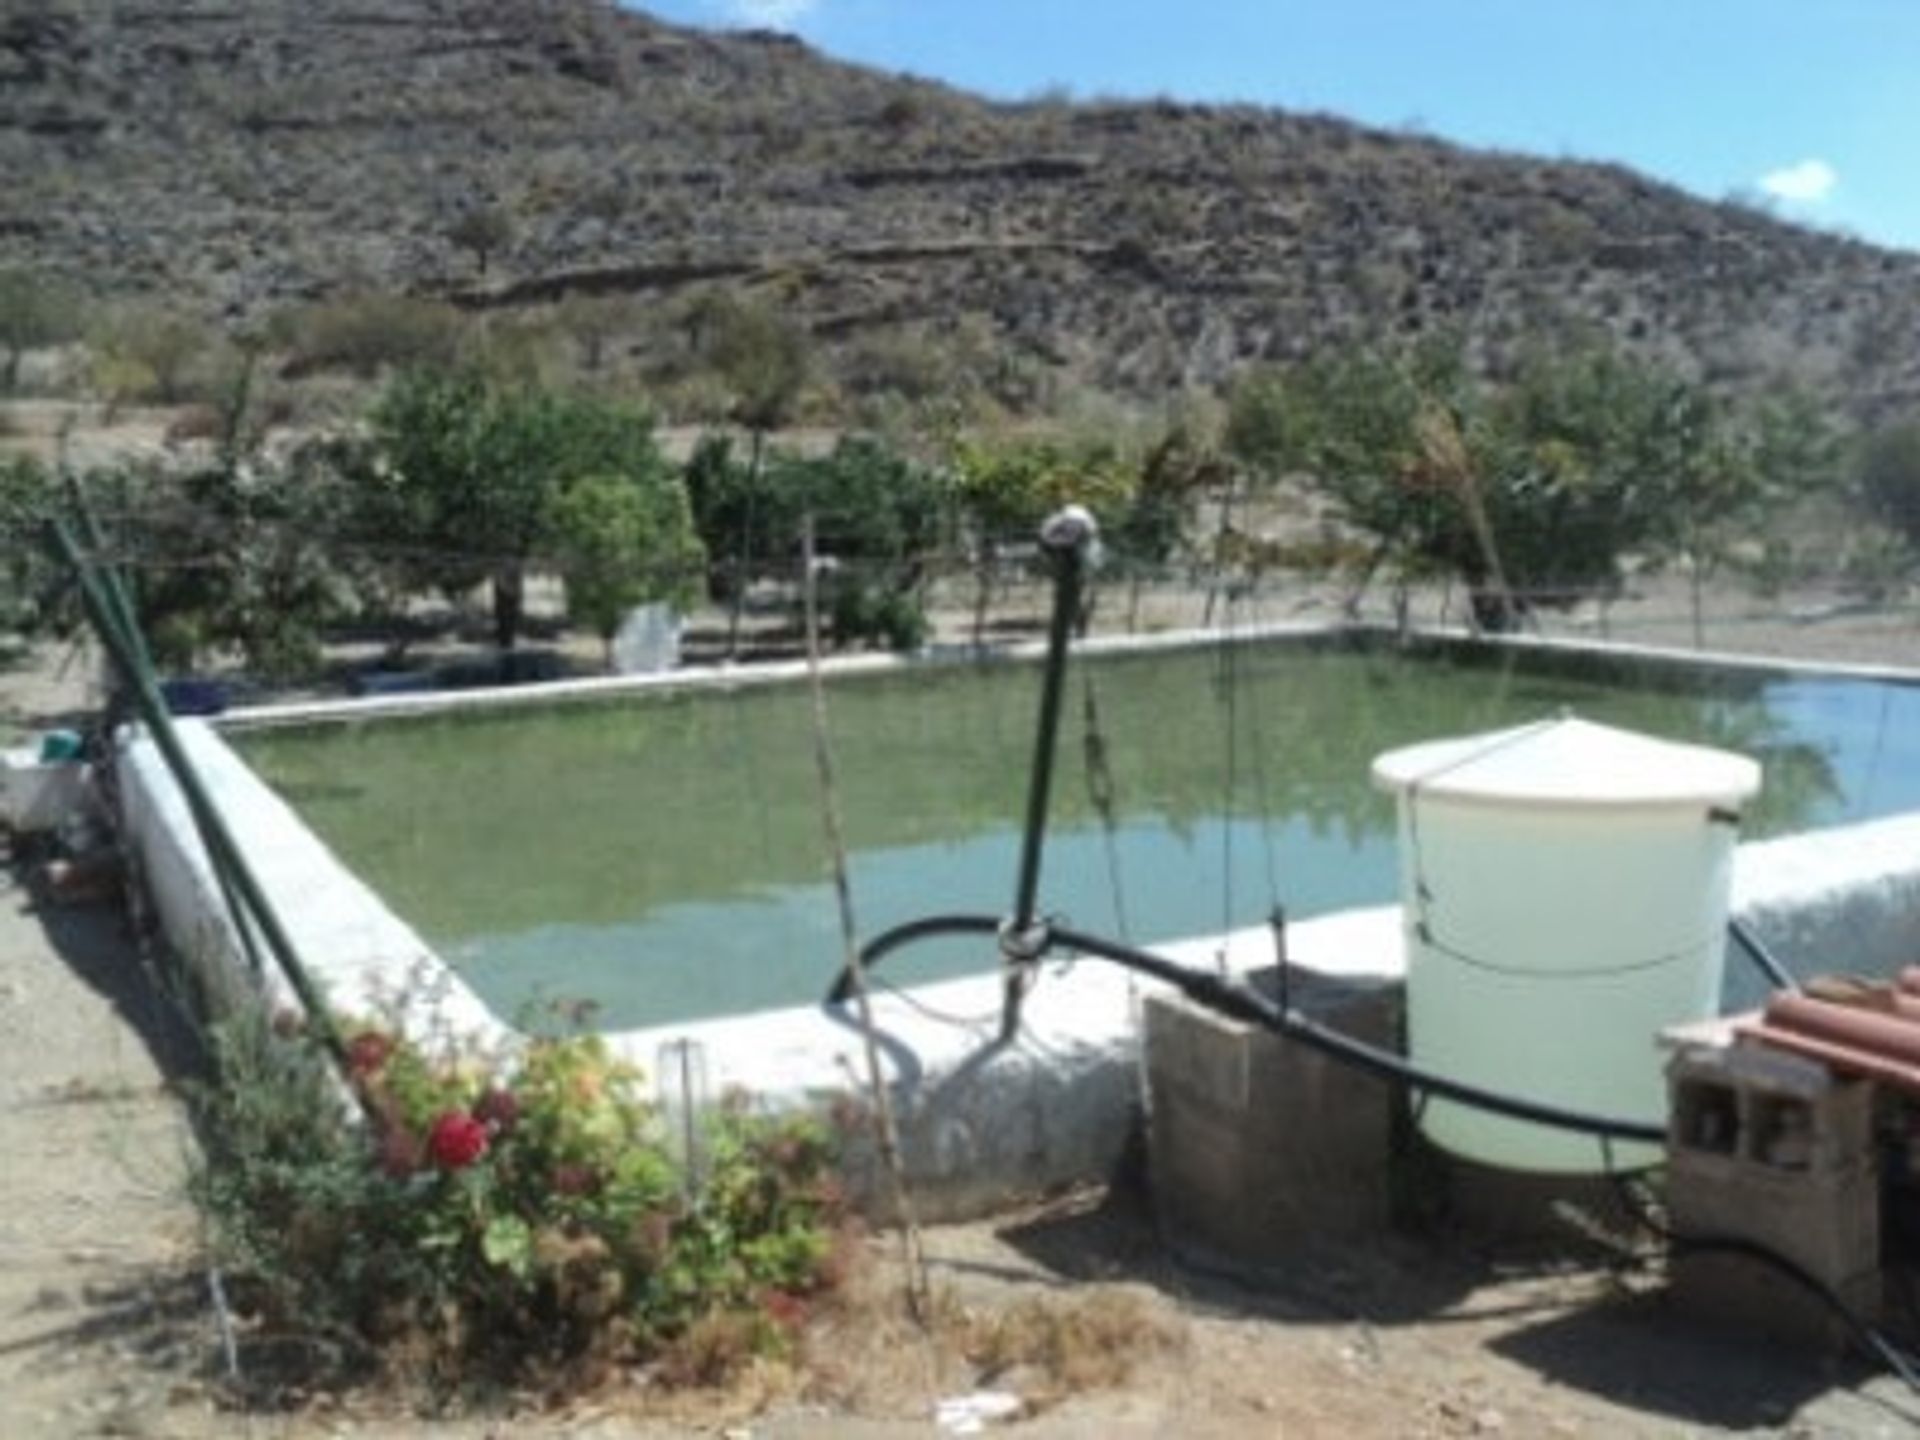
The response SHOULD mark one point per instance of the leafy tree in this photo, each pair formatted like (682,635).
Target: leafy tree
(762,358)
(877,515)
(1154,524)
(35,310)
(621,541)
(1260,420)
(485,230)
(467,477)
(1531,494)
(148,352)
(1004,491)
(239,554)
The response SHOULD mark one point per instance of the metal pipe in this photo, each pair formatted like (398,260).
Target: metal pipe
(224,852)
(1065,538)
(1763,959)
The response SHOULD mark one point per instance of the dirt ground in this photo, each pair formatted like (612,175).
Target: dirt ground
(107,1328)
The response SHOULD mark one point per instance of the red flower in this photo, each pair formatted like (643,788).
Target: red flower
(367,1053)
(497,1109)
(575,1180)
(456,1140)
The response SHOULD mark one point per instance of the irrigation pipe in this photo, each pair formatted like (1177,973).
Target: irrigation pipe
(1230,997)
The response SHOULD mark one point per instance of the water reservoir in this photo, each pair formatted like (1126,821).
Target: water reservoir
(1565,886)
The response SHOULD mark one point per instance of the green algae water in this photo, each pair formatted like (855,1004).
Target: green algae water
(662,856)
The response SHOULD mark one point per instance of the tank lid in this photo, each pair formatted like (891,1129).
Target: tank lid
(1568,761)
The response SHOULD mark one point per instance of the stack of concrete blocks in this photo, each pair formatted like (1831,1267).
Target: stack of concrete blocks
(1772,1150)
(1258,1147)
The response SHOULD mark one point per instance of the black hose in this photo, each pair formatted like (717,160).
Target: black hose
(1231,998)
(924,928)
(1235,999)
(1763,959)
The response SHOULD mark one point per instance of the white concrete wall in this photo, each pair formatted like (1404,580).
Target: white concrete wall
(361,955)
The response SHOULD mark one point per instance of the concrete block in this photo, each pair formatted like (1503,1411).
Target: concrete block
(1827,1224)
(1772,1151)
(1258,1147)
(1767,1108)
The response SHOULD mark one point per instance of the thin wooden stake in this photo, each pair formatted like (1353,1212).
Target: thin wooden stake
(886,1134)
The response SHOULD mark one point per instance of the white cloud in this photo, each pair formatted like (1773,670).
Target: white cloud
(766,14)
(1808,183)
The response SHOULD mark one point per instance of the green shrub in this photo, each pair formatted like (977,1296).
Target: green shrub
(364,334)
(495,1225)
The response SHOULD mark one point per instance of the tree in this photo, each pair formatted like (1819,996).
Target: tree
(239,554)
(35,310)
(148,352)
(466,477)
(622,541)
(1150,530)
(26,500)
(1532,493)
(762,358)
(485,230)
(877,515)
(1003,492)
(1888,473)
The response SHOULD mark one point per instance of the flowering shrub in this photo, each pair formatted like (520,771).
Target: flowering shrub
(522,1223)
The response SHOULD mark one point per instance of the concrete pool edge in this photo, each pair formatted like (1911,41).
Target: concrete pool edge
(983,1124)
(725,677)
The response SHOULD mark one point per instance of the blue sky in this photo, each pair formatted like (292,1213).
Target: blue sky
(1814,104)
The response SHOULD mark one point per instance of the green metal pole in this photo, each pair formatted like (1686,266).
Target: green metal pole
(223,851)
(116,586)
(120,605)
(1065,538)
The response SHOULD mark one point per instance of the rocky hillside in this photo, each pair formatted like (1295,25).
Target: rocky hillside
(235,155)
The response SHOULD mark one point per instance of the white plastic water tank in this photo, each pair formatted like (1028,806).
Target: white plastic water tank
(1565,892)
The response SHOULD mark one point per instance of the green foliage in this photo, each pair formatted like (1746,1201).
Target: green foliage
(1005,490)
(35,310)
(241,554)
(1176,470)
(760,355)
(365,334)
(465,478)
(148,352)
(484,230)
(497,1224)
(1888,475)
(876,517)
(621,542)
(1534,492)
(1260,420)
(27,498)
